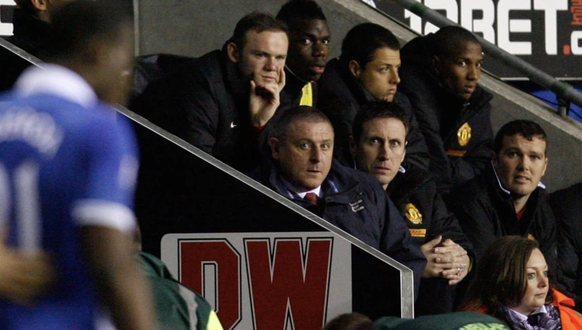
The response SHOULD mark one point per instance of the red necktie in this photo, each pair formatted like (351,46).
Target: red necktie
(311,198)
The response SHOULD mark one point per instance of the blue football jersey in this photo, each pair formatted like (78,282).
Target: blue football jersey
(62,165)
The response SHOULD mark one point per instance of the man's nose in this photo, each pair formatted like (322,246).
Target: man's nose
(271,64)
(319,49)
(316,155)
(473,72)
(394,77)
(384,152)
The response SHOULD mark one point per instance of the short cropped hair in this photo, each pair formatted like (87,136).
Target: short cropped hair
(526,128)
(363,40)
(377,109)
(258,22)
(300,9)
(501,276)
(298,113)
(77,24)
(448,40)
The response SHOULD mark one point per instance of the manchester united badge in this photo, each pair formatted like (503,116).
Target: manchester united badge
(413,214)
(464,134)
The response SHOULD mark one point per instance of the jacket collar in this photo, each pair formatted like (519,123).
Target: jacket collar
(407,182)
(293,90)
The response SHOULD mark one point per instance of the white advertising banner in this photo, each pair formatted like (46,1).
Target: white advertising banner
(265,281)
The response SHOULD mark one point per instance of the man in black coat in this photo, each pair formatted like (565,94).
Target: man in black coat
(567,207)
(439,75)
(379,147)
(508,197)
(302,169)
(222,101)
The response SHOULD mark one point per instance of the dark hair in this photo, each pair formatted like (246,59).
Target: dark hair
(300,9)
(349,321)
(25,4)
(307,113)
(258,22)
(377,109)
(448,40)
(77,24)
(501,277)
(526,128)
(363,40)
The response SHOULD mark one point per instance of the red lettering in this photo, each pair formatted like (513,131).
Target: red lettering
(288,285)
(194,255)
(576,10)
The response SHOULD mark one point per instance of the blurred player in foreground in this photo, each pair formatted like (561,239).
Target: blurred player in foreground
(67,175)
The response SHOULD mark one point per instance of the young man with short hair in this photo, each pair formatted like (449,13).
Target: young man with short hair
(221,101)
(366,71)
(440,74)
(508,198)
(309,40)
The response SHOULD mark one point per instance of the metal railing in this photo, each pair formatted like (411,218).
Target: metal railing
(406,274)
(563,90)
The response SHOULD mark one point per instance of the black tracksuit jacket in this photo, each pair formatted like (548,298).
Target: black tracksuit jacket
(427,217)
(455,156)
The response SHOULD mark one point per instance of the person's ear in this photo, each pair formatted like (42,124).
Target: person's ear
(39,5)
(403,155)
(355,68)
(275,145)
(545,166)
(233,52)
(495,160)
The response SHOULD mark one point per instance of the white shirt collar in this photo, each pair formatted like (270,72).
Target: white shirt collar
(316,191)
(541,310)
(302,194)
(57,80)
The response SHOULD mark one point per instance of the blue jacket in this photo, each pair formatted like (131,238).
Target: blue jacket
(355,202)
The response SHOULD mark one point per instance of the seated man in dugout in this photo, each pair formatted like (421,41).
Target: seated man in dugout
(366,71)
(309,40)
(507,198)
(439,74)
(303,170)
(567,207)
(221,101)
(379,148)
